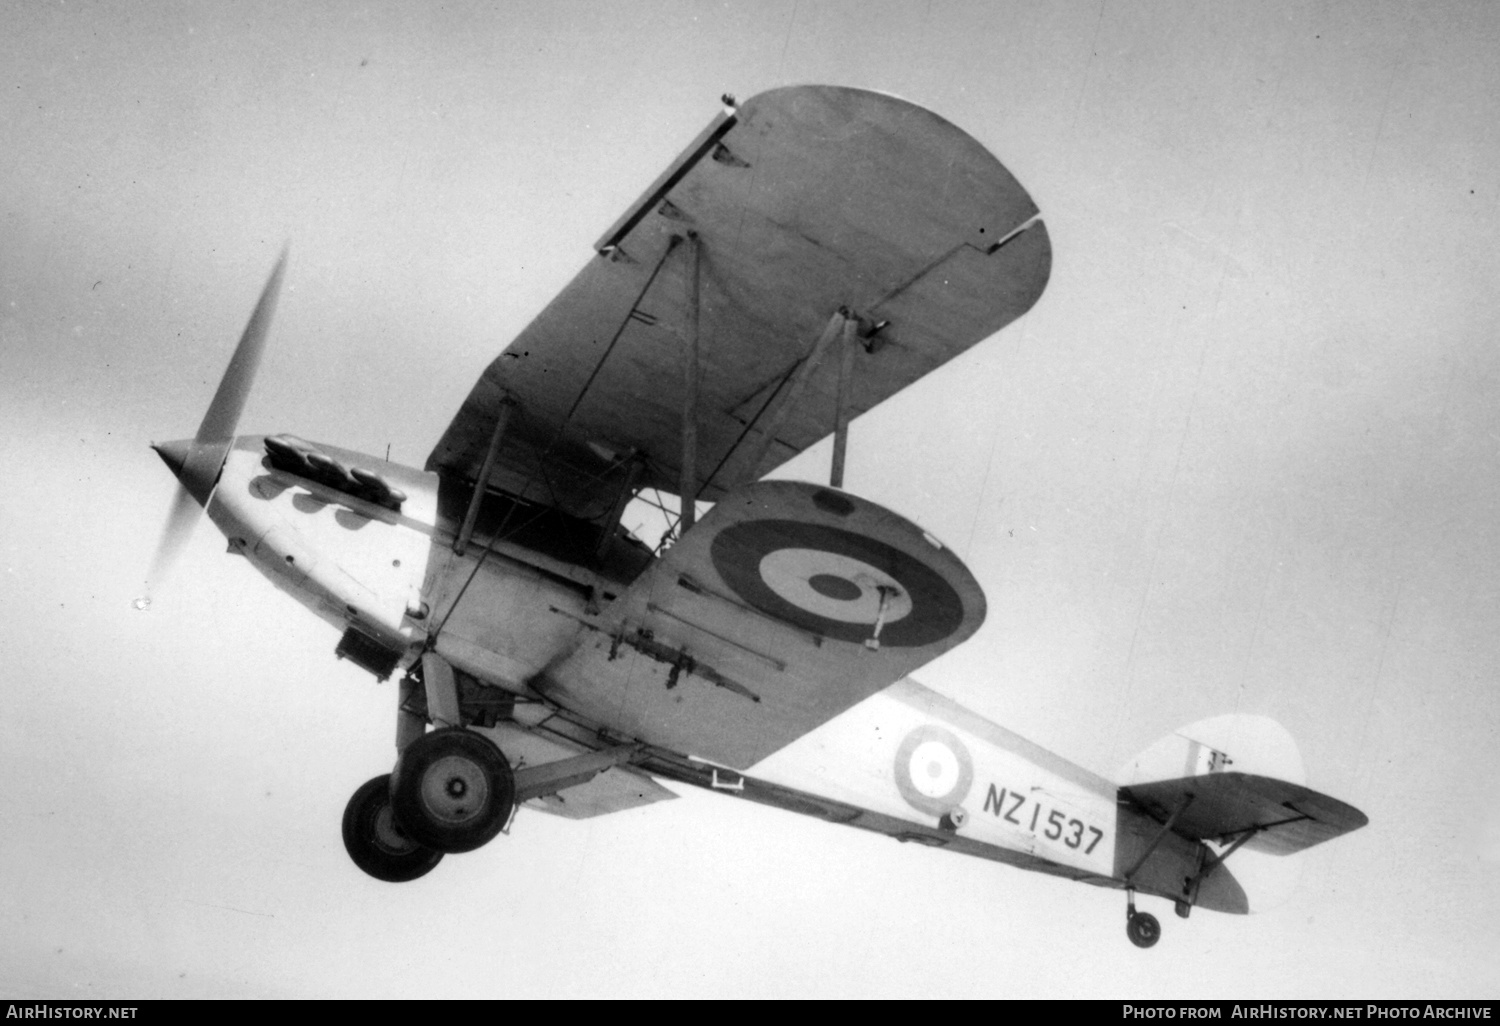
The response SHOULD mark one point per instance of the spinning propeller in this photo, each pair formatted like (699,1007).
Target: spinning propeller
(196,461)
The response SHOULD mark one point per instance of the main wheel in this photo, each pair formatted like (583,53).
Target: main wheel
(376,843)
(1143,929)
(452,790)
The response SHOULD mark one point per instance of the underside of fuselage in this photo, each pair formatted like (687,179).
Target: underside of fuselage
(519,598)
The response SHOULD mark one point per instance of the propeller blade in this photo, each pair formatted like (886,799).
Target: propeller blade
(196,463)
(179,528)
(234,388)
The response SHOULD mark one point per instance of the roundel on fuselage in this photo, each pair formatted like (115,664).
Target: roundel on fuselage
(933,770)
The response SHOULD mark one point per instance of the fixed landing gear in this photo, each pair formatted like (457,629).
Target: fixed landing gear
(376,842)
(452,790)
(1142,928)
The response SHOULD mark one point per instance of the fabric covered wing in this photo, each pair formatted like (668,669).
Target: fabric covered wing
(798,203)
(613,790)
(1286,817)
(761,624)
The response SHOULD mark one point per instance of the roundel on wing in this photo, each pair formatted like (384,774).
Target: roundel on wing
(933,770)
(830,581)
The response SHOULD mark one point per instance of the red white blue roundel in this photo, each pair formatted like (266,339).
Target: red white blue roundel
(933,770)
(830,581)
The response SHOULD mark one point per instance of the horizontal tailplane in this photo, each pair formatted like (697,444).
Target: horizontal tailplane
(1226,784)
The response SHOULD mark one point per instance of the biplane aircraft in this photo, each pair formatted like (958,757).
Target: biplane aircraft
(814,251)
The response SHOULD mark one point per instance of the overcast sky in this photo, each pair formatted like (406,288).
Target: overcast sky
(1242,456)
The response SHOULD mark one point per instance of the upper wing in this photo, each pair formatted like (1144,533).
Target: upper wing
(786,605)
(1286,817)
(797,203)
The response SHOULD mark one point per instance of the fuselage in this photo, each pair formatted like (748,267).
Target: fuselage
(906,762)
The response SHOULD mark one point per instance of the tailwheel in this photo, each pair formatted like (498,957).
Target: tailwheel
(1143,929)
(376,842)
(452,790)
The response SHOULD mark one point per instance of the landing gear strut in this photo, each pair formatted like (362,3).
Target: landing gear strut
(1141,927)
(452,790)
(376,842)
